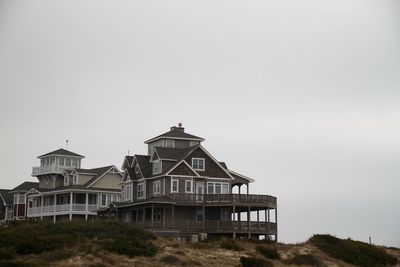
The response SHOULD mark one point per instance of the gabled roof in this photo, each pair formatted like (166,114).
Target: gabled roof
(97,171)
(223,164)
(176,133)
(25,187)
(144,165)
(61,152)
(6,196)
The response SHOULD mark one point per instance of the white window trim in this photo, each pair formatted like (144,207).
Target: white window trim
(156,184)
(173,143)
(204,164)
(172,185)
(154,171)
(66,180)
(77,179)
(214,187)
(191,186)
(137,191)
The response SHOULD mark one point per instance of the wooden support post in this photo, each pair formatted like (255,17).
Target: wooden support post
(173,215)
(248,222)
(258,219)
(163,218)
(204,219)
(41,208)
(268,222)
(152,215)
(234,226)
(276,224)
(70,206)
(87,206)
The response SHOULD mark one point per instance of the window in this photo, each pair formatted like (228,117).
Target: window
(169,143)
(156,187)
(66,180)
(157,165)
(127,193)
(75,179)
(103,200)
(61,161)
(198,164)
(108,199)
(74,163)
(137,169)
(194,143)
(175,186)
(16,199)
(140,191)
(21,199)
(199,214)
(217,188)
(189,184)
(68,162)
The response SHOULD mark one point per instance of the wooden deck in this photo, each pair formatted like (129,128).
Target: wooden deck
(217,227)
(225,199)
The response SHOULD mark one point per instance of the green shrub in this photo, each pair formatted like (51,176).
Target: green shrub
(39,237)
(353,252)
(129,248)
(255,262)
(306,259)
(231,245)
(7,253)
(269,253)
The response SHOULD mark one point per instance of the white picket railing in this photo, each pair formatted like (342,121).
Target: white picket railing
(62,208)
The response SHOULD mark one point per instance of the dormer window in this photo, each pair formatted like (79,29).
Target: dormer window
(157,167)
(198,164)
(137,169)
(75,179)
(169,143)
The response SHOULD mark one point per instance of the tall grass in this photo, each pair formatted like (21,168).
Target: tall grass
(353,252)
(34,238)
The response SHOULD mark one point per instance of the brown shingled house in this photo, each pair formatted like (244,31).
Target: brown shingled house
(180,189)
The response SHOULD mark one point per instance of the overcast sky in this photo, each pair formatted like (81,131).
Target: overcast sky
(303,96)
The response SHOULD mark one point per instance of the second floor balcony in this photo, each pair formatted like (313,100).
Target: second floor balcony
(49,169)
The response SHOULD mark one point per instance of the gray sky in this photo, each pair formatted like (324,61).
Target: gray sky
(303,96)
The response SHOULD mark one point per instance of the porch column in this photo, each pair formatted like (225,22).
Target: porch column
(163,211)
(144,215)
(276,224)
(70,206)
(136,215)
(239,186)
(248,221)
(173,214)
(268,220)
(258,219)
(204,219)
(41,208)
(152,215)
(54,208)
(87,206)
(247,188)
(233,224)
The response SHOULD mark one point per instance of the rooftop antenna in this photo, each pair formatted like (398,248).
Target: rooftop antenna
(66,144)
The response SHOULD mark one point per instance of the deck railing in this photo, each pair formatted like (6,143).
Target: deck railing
(208,226)
(61,208)
(223,198)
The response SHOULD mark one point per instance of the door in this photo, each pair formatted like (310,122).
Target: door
(199,191)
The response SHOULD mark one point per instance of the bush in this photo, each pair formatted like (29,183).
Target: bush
(7,253)
(255,262)
(269,253)
(39,237)
(353,252)
(306,259)
(231,245)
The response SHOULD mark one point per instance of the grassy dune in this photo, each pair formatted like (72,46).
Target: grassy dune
(102,244)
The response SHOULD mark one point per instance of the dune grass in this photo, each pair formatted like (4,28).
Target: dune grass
(353,252)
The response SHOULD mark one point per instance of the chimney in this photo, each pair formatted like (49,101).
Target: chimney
(179,128)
